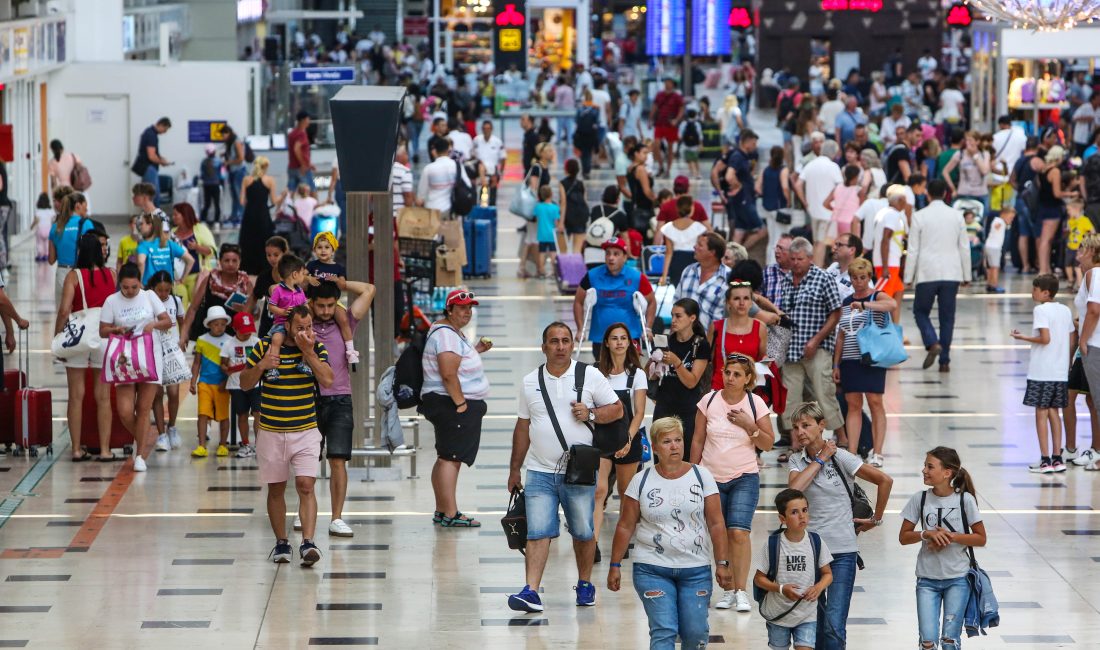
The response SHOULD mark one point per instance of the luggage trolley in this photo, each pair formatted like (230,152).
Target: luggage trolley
(418,256)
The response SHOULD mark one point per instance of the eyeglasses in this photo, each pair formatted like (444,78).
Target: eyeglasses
(462,295)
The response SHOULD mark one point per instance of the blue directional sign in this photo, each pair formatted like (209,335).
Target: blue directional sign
(330,75)
(202,131)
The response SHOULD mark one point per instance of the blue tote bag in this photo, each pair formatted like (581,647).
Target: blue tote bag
(880,346)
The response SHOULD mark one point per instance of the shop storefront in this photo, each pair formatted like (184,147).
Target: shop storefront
(553,29)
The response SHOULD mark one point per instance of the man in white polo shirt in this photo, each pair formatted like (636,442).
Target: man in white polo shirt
(489,152)
(536,439)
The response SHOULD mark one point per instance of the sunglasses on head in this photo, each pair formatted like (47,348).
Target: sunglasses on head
(462,295)
(739,357)
(740,283)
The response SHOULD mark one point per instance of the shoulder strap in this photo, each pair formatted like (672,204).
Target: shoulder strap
(712,396)
(843,480)
(773,554)
(966,528)
(752,405)
(815,544)
(923,499)
(629,404)
(578,379)
(641,484)
(550,410)
(80,283)
(698,476)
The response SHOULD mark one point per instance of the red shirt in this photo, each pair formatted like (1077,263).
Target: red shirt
(97,293)
(295,136)
(668,212)
(668,107)
(746,344)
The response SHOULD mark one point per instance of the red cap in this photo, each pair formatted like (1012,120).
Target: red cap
(461,297)
(681,184)
(244,323)
(615,242)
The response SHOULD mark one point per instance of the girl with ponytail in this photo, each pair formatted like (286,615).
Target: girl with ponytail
(950,524)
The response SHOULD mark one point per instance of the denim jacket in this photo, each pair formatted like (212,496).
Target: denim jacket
(981,608)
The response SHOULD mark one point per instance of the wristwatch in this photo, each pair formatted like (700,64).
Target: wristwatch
(725,563)
(591,416)
(877,522)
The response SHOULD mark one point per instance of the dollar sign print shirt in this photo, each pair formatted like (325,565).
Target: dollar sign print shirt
(672,530)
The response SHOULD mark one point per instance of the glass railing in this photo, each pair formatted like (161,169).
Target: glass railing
(141,26)
(33,45)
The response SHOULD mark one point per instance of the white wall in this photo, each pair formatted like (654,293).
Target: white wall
(96,30)
(213,31)
(144,92)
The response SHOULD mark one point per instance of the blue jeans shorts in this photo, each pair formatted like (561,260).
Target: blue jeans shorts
(803,634)
(295,177)
(744,216)
(739,498)
(544,493)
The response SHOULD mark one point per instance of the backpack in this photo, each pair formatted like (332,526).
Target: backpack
(463,196)
(1029,194)
(408,376)
(691,134)
(773,570)
(1091,173)
(588,121)
(893,170)
(786,106)
(249,154)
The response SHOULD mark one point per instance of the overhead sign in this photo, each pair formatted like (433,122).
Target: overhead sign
(664,27)
(316,76)
(851,5)
(709,35)
(416,26)
(959,15)
(510,34)
(740,18)
(203,131)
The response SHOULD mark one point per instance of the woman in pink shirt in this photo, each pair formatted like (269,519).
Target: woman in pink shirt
(844,200)
(730,425)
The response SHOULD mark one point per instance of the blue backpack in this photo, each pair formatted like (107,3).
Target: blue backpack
(773,571)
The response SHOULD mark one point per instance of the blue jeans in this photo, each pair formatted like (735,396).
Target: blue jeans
(295,177)
(951,596)
(803,634)
(414,137)
(565,129)
(236,179)
(675,602)
(152,176)
(544,492)
(944,293)
(832,628)
(739,498)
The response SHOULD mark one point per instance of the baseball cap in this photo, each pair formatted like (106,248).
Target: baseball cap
(615,242)
(244,323)
(461,297)
(210,149)
(681,184)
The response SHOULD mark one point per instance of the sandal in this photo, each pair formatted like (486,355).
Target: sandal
(437,517)
(84,456)
(782,458)
(459,521)
(108,459)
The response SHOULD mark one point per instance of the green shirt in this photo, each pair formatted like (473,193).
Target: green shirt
(287,403)
(941,163)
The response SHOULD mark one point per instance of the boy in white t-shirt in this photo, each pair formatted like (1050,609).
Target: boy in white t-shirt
(234,354)
(994,243)
(1048,370)
(802,573)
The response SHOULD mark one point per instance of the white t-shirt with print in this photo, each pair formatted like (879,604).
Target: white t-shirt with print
(830,505)
(131,313)
(895,221)
(1050,362)
(996,238)
(795,568)
(672,529)
(235,352)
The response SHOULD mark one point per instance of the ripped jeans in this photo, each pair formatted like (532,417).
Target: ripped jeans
(949,596)
(676,602)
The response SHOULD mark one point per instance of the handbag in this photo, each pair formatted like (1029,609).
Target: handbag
(880,346)
(524,200)
(612,436)
(861,504)
(81,177)
(779,339)
(582,461)
(174,368)
(80,334)
(130,359)
(514,521)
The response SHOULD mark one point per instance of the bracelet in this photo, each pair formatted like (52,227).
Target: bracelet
(781,590)
(616,565)
(819,461)
(458,406)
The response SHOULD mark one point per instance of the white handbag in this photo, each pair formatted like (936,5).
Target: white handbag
(524,201)
(80,334)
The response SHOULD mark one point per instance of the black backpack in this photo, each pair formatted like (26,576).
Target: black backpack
(691,134)
(408,374)
(588,121)
(249,154)
(773,570)
(463,196)
(893,169)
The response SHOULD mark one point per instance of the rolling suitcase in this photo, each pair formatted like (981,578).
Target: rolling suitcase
(33,409)
(571,269)
(487,213)
(13,380)
(121,438)
(479,255)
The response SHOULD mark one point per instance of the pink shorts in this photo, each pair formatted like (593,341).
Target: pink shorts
(278,452)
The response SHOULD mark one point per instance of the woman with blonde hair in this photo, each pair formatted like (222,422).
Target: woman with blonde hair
(256,226)
(1051,203)
(731,121)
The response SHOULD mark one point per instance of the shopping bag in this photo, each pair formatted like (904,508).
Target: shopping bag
(174,368)
(130,359)
(80,334)
(418,223)
(523,202)
(451,231)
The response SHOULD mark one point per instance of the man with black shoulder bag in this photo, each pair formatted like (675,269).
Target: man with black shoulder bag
(559,407)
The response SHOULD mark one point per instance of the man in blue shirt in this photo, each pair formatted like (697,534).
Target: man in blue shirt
(615,285)
(148,161)
(847,121)
(738,190)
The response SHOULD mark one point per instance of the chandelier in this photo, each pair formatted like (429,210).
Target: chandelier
(1040,15)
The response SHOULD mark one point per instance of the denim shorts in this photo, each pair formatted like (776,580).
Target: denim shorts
(803,634)
(739,498)
(336,423)
(744,216)
(544,492)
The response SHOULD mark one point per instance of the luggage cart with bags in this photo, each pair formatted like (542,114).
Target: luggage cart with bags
(419,258)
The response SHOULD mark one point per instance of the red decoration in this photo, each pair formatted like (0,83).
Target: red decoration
(740,18)
(851,5)
(959,16)
(510,17)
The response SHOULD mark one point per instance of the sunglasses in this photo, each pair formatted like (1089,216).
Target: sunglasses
(738,356)
(462,295)
(740,283)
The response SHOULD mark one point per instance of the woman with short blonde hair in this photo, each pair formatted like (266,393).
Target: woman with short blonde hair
(257,191)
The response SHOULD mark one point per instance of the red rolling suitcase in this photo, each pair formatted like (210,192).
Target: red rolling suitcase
(89,432)
(13,380)
(33,409)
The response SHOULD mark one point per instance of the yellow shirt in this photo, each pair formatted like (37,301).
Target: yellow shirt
(1078,227)
(127,247)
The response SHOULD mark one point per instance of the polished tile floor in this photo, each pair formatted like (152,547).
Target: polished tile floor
(94,555)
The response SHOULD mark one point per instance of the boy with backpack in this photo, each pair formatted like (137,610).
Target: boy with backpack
(691,141)
(792,573)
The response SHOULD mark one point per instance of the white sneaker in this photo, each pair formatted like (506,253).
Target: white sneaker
(340,529)
(246,451)
(742,600)
(139,464)
(726,601)
(297,523)
(174,438)
(876,460)
(162,442)
(1085,457)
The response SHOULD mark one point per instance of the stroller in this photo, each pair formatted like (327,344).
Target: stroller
(976,232)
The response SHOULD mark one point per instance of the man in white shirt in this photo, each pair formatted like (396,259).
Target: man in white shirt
(437,179)
(927,65)
(461,142)
(938,261)
(489,152)
(846,248)
(826,117)
(815,182)
(632,113)
(543,437)
(401,181)
(582,79)
(1008,144)
(887,246)
(1084,123)
(602,99)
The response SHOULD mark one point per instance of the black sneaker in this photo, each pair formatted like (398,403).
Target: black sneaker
(309,552)
(282,552)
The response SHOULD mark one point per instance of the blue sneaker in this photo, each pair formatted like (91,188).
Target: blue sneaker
(525,601)
(586,594)
(281,553)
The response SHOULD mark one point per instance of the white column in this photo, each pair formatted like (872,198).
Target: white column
(584,29)
(97,30)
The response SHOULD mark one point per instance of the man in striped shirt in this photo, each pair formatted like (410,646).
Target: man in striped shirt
(288,435)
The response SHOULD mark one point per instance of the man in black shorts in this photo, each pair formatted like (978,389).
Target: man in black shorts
(335,418)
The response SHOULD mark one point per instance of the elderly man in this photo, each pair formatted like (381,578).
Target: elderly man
(850,118)
(559,403)
(704,281)
(288,436)
(811,299)
(817,138)
(615,284)
(938,261)
(846,248)
(772,288)
(815,183)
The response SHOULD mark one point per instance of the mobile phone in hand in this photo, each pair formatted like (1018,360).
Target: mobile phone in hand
(660,341)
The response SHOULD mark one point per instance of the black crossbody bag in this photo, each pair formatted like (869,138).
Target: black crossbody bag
(583,461)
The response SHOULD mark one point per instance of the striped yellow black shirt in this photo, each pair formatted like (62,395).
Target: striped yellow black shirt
(287,404)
